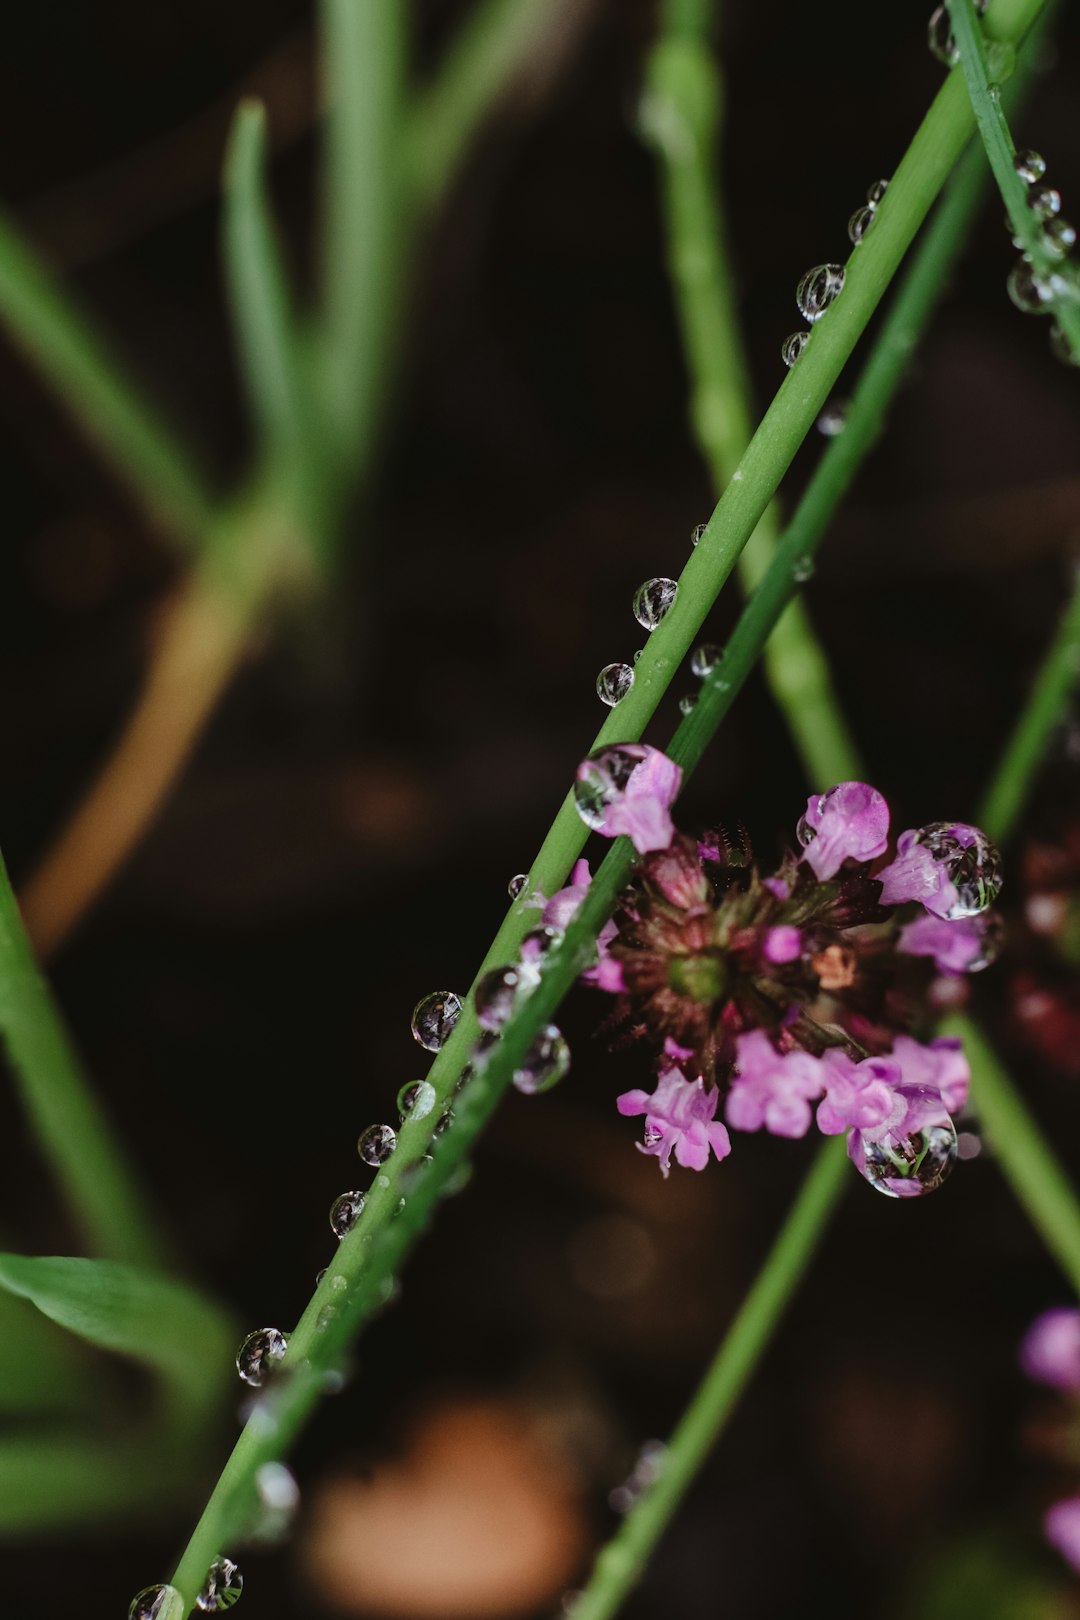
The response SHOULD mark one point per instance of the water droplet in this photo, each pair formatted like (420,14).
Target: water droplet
(1030,166)
(444,1123)
(940,39)
(1045,203)
(544,1064)
(536,945)
(876,192)
(991,943)
(792,347)
(819,288)
(971,861)
(222,1587)
(1027,291)
(637,655)
(704,659)
(860,222)
(279,1497)
(434,1017)
(833,418)
(345,1211)
(496,996)
(651,1135)
(613,683)
(603,778)
(376,1144)
(517,885)
(696,533)
(1061,348)
(645,1472)
(906,1166)
(416,1100)
(157,1603)
(258,1355)
(1060,235)
(653,600)
(802,569)
(687,702)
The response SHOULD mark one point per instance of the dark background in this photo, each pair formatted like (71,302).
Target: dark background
(342,842)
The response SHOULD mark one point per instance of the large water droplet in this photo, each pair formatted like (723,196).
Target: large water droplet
(1030,166)
(416,1099)
(653,600)
(860,222)
(1027,290)
(517,885)
(544,1064)
(819,288)
(971,861)
(613,683)
(905,1166)
(376,1144)
(1045,202)
(434,1017)
(345,1211)
(833,418)
(602,779)
(704,659)
(259,1354)
(792,347)
(157,1603)
(496,996)
(222,1587)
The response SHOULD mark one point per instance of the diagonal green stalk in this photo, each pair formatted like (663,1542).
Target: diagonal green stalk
(622,1561)
(50,329)
(984,67)
(1046,702)
(362,1271)
(681,109)
(106,1204)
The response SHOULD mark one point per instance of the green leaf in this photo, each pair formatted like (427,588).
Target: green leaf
(42,1369)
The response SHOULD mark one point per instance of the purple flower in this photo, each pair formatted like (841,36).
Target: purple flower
(850,822)
(916,875)
(864,1096)
(783,944)
(772,1088)
(642,810)
(777,886)
(1050,1352)
(1061,1527)
(559,912)
(940,1067)
(679,1118)
(955,946)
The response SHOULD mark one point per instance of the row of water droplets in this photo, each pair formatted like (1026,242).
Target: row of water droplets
(1036,291)
(653,600)
(821,287)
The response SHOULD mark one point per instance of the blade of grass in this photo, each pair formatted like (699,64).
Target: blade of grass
(45,323)
(984,67)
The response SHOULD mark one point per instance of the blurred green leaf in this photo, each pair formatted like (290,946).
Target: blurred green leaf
(42,1369)
(984,1577)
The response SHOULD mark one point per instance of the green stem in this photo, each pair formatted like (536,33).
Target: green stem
(105,1203)
(984,68)
(682,108)
(1057,677)
(60,341)
(622,1561)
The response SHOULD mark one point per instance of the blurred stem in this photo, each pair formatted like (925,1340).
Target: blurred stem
(985,66)
(1025,1156)
(623,1559)
(106,1204)
(682,111)
(1057,676)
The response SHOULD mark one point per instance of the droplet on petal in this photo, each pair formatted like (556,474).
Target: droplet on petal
(653,600)
(544,1064)
(345,1211)
(376,1144)
(434,1017)
(258,1355)
(603,779)
(613,683)
(905,1166)
(971,861)
(222,1587)
(819,288)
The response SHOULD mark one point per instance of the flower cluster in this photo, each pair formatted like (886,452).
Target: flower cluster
(793,995)
(1050,1354)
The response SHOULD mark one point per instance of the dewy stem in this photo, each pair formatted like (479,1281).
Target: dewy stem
(402,1200)
(985,66)
(623,1559)
(681,111)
